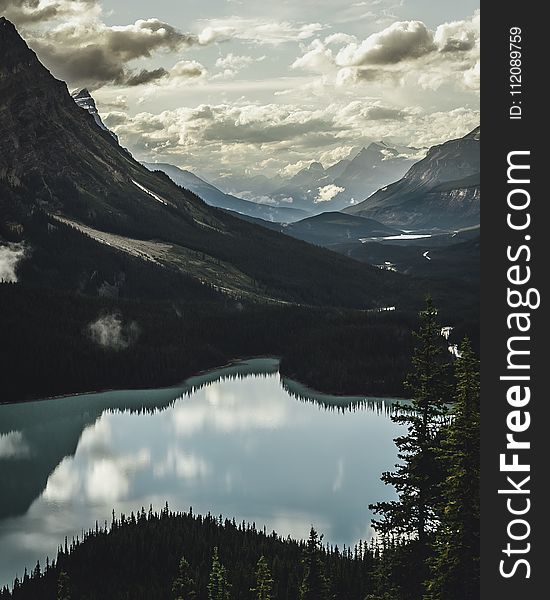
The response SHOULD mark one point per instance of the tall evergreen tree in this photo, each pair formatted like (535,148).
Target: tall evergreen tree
(455,566)
(183,587)
(63,586)
(219,587)
(315,584)
(417,478)
(264,581)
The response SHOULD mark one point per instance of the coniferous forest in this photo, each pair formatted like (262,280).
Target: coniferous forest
(426,547)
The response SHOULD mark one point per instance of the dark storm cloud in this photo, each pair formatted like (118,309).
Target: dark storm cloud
(22,12)
(380,113)
(96,54)
(145,76)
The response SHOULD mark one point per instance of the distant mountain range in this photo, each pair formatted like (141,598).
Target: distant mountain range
(94,220)
(442,190)
(318,189)
(215,197)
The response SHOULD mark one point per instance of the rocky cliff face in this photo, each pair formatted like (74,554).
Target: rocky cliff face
(54,155)
(442,190)
(85,100)
(67,188)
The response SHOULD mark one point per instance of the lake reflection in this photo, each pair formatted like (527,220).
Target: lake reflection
(243,447)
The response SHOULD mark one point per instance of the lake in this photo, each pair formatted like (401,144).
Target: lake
(240,441)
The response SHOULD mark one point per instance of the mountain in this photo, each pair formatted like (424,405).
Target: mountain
(207,192)
(249,188)
(84,99)
(93,219)
(330,229)
(346,181)
(215,197)
(442,190)
(376,165)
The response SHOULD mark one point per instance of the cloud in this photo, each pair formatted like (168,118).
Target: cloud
(145,76)
(119,102)
(187,69)
(328,192)
(317,59)
(400,41)
(23,12)
(231,64)
(97,472)
(381,113)
(110,332)
(10,256)
(93,54)
(237,136)
(258,31)
(405,52)
(181,464)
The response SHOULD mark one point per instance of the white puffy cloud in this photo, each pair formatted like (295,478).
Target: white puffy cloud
(400,41)
(231,64)
(328,192)
(318,58)
(187,69)
(405,52)
(238,136)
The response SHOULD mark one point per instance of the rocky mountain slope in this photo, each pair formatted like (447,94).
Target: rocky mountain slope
(442,190)
(319,190)
(68,192)
(85,100)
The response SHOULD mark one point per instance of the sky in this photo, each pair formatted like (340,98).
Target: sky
(251,88)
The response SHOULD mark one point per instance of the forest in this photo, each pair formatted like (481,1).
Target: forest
(426,545)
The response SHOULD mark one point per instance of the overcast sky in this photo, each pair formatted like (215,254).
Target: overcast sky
(222,86)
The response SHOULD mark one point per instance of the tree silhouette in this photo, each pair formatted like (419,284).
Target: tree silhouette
(63,585)
(455,566)
(315,584)
(417,479)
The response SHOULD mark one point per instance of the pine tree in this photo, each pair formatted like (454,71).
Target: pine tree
(219,587)
(417,479)
(183,587)
(315,584)
(63,586)
(264,581)
(455,566)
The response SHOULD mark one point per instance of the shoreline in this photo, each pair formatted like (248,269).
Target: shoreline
(237,365)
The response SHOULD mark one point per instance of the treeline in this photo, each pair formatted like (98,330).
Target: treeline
(46,333)
(427,544)
(48,347)
(176,556)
